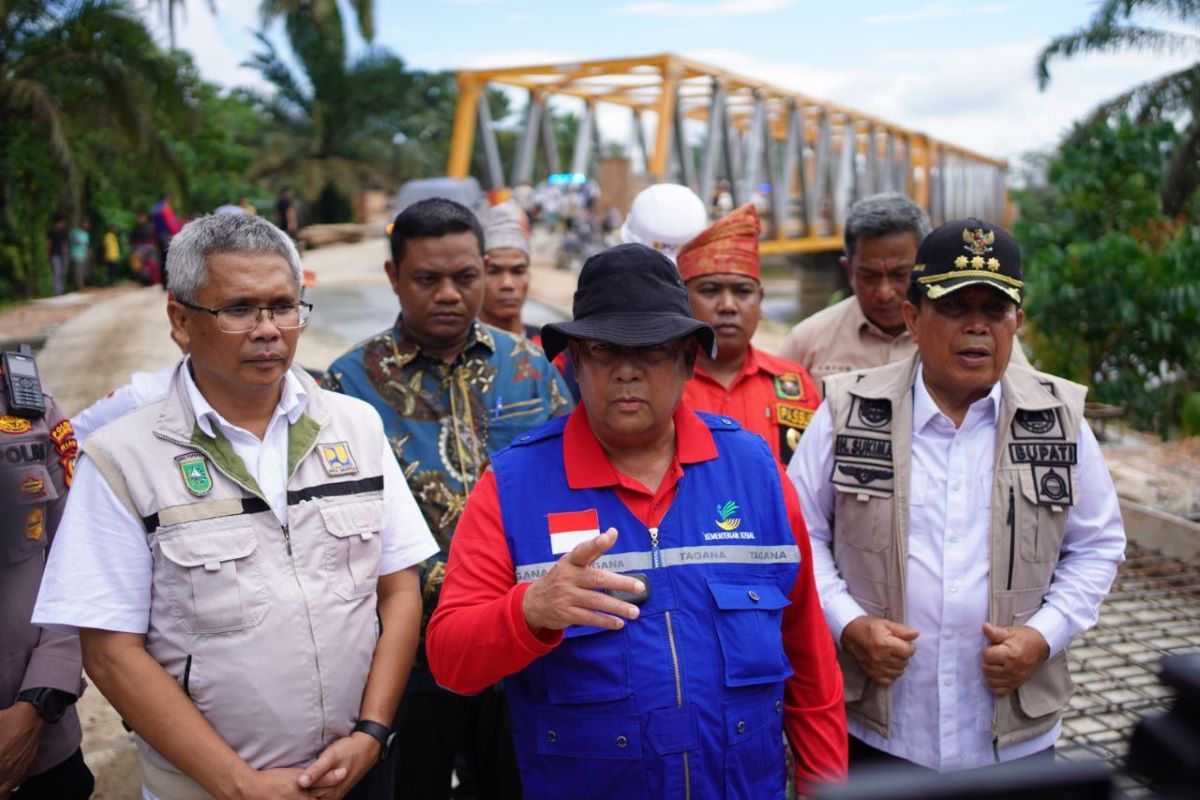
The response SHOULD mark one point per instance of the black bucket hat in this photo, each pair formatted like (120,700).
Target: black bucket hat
(629,295)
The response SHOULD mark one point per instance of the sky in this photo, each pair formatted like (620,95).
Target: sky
(959,70)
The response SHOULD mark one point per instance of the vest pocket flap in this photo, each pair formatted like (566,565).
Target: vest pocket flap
(1048,689)
(607,736)
(208,548)
(33,485)
(748,717)
(744,596)
(360,517)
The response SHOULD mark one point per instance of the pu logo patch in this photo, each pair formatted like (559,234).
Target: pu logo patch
(726,516)
(870,414)
(337,459)
(15,425)
(194,469)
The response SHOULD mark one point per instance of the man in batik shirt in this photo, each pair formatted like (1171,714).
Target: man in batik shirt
(451,391)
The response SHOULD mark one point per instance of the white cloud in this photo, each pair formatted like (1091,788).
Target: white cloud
(730,8)
(932,11)
(218,43)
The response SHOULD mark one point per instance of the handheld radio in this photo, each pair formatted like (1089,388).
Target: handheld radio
(24,387)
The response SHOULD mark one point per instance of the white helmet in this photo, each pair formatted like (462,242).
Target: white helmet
(665,216)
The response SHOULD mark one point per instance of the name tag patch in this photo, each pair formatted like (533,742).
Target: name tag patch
(864,447)
(1062,454)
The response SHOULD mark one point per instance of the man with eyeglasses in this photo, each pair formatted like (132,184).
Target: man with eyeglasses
(668,655)
(240,555)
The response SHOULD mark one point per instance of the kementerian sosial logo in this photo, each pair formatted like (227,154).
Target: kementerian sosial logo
(727,518)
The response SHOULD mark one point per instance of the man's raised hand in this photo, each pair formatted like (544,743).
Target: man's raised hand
(572,592)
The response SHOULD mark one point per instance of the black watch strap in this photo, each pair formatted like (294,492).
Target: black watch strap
(380,733)
(50,704)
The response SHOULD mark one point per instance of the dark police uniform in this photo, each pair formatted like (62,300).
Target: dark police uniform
(38,665)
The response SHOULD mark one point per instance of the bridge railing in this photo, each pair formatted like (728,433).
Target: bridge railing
(804,161)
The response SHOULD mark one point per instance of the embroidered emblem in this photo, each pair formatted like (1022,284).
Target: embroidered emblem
(1041,424)
(15,425)
(33,485)
(793,416)
(789,440)
(871,414)
(726,516)
(194,469)
(35,525)
(788,386)
(978,241)
(1053,486)
(67,446)
(864,475)
(337,459)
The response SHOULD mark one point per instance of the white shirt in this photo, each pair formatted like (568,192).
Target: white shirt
(143,388)
(101,567)
(942,711)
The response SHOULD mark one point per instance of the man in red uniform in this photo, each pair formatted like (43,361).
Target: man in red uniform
(665,656)
(770,396)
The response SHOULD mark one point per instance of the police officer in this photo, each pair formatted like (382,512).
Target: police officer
(41,673)
(683,685)
(965,528)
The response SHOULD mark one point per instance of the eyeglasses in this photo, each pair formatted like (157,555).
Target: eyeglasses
(607,355)
(243,319)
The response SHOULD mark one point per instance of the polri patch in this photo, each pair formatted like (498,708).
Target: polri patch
(337,459)
(196,477)
(788,386)
(15,425)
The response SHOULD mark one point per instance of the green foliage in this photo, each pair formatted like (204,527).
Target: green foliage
(1113,284)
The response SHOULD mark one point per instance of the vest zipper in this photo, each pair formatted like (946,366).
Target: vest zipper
(287,538)
(656,562)
(1012,535)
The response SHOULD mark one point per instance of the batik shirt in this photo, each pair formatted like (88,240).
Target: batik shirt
(444,420)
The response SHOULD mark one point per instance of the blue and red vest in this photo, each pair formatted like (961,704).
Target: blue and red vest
(687,700)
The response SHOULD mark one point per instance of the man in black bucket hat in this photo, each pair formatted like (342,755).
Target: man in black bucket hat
(668,654)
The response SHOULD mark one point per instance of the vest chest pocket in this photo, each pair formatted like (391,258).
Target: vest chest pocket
(352,548)
(590,665)
(213,578)
(749,619)
(864,517)
(1039,521)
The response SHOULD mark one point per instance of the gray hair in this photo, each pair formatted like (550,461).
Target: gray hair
(881,215)
(187,257)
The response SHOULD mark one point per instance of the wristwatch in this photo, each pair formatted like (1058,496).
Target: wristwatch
(50,704)
(380,733)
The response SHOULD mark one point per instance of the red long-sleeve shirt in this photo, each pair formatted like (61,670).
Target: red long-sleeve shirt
(478,635)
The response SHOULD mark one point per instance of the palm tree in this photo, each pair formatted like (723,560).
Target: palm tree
(1115,26)
(88,63)
(271,10)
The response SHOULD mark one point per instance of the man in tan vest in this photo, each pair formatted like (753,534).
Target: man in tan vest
(964,525)
(239,555)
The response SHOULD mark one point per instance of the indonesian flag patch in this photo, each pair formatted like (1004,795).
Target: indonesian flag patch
(569,528)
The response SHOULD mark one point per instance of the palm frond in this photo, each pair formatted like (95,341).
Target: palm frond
(1106,38)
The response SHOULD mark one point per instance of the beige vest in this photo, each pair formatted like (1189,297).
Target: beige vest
(1035,483)
(269,629)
